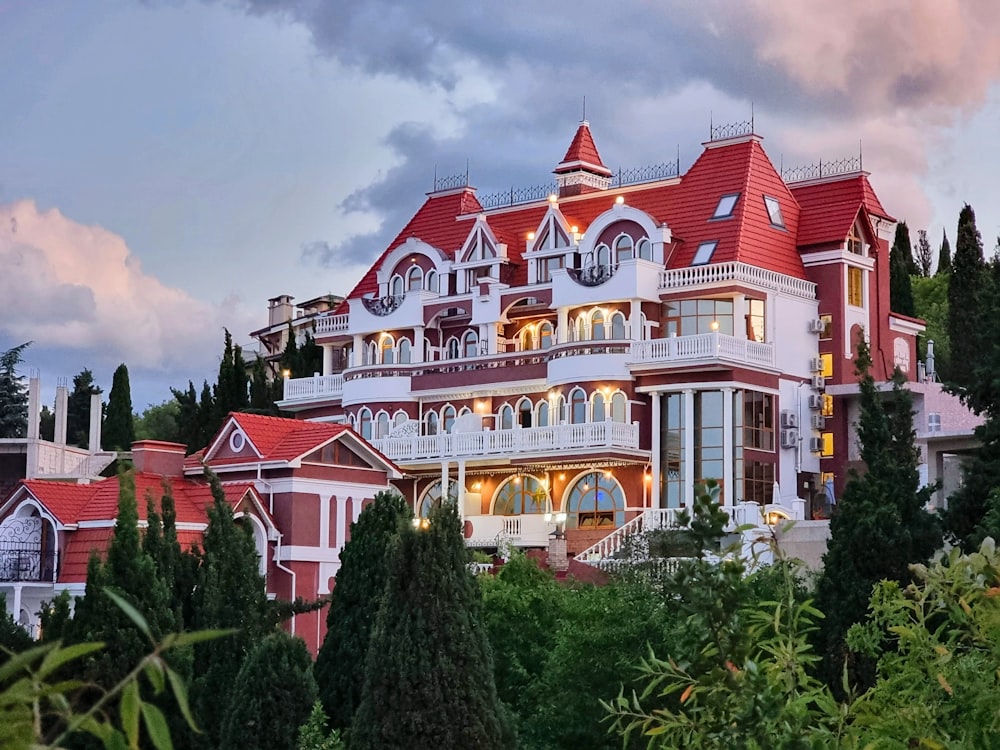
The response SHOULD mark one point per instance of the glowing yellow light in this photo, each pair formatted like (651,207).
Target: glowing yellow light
(562,477)
(416,523)
(553,198)
(574,229)
(531,235)
(715,325)
(607,474)
(620,200)
(476,486)
(517,480)
(286,374)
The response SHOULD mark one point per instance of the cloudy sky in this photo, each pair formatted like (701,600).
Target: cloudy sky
(166,166)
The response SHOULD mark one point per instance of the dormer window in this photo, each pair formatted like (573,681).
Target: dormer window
(644,249)
(774,212)
(855,243)
(726,205)
(704,253)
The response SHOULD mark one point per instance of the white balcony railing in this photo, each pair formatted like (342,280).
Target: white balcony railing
(530,530)
(703,347)
(507,442)
(331,324)
(714,273)
(318,386)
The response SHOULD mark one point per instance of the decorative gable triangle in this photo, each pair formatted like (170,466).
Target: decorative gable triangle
(553,231)
(225,445)
(481,244)
(337,453)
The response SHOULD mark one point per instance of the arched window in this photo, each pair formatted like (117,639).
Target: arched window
(644,249)
(365,423)
(623,248)
(432,423)
(524,410)
(387,345)
(520,494)
(596,500)
(414,279)
(464,410)
(506,417)
(618,326)
(396,286)
(545,335)
(431,281)
(527,339)
(447,418)
(398,418)
(432,497)
(597,325)
(618,407)
(578,406)
(581,328)
(560,413)
(597,407)
(603,255)
(543,413)
(453,348)
(381,425)
(471,344)
(371,353)
(404,351)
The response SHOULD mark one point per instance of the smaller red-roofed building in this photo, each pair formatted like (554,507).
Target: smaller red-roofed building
(298,485)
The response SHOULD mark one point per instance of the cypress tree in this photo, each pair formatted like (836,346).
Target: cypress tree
(429,673)
(272,697)
(119,426)
(944,255)
(880,526)
(230,594)
(964,291)
(354,603)
(900,267)
(13,394)
(78,409)
(924,254)
(264,390)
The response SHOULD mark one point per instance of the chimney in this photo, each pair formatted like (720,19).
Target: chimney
(279,309)
(62,402)
(95,422)
(158,457)
(34,385)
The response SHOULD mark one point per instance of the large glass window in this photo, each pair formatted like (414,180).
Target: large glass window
(755,320)
(596,500)
(758,421)
(758,482)
(597,325)
(618,326)
(708,433)
(618,407)
(692,316)
(521,494)
(623,248)
(672,446)
(432,497)
(471,344)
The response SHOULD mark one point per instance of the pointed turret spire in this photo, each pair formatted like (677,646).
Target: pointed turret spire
(581,170)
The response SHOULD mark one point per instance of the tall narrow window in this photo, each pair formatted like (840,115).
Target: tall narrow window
(471,344)
(388,344)
(396,286)
(755,320)
(644,250)
(597,407)
(432,423)
(618,326)
(603,255)
(524,412)
(431,281)
(618,404)
(578,406)
(414,279)
(404,351)
(382,425)
(545,335)
(448,418)
(597,325)
(623,248)
(855,287)
(365,423)
(506,417)
(543,413)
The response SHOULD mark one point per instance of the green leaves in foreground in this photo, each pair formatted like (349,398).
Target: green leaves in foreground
(37,708)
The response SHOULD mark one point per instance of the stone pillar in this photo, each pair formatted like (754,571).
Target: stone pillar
(327,359)
(635,319)
(656,449)
(418,351)
(562,332)
(688,447)
(558,560)
(34,386)
(62,407)
(728,448)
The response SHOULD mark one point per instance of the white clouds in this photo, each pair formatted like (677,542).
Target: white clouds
(80,288)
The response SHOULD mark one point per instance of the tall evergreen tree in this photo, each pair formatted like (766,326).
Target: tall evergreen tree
(354,603)
(301,361)
(964,299)
(272,697)
(13,394)
(264,390)
(880,526)
(429,674)
(900,267)
(924,254)
(46,423)
(944,255)
(78,409)
(119,427)
(231,389)
(230,594)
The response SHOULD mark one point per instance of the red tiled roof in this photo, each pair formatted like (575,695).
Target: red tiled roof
(582,152)
(76,555)
(829,209)
(64,500)
(281,439)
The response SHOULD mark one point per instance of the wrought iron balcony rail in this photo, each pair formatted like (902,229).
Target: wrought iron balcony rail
(26,563)
(383,306)
(592,275)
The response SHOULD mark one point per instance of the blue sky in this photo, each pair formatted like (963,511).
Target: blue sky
(166,166)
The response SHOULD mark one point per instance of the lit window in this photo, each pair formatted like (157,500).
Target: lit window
(415,278)
(704,254)
(827,410)
(827,360)
(521,494)
(774,211)
(827,332)
(827,442)
(855,287)
(755,319)
(726,205)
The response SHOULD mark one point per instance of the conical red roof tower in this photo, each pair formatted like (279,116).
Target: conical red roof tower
(581,170)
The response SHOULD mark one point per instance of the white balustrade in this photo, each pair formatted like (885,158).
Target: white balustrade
(331,324)
(703,346)
(714,273)
(318,386)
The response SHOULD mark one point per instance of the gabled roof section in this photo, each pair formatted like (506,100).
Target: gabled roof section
(830,208)
(582,154)
(64,500)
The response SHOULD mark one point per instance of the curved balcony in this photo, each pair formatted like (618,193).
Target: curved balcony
(382,306)
(702,348)
(601,359)
(591,275)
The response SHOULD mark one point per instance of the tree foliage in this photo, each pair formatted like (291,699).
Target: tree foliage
(160,422)
(364,568)
(901,265)
(78,408)
(930,298)
(272,697)
(944,255)
(429,672)
(964,299)
(313,735)
(880,525)
(119,428)
(924,255)
(13,394)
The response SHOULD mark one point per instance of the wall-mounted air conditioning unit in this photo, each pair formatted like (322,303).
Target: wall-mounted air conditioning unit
(818,421)
(789,419)
(815,401)
(816,445)
(817,326)
(816,364)
(789,438)
(818,382)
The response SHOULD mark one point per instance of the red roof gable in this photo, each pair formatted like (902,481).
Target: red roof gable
(582,152)
(279,438)
(830,208)
(64,500)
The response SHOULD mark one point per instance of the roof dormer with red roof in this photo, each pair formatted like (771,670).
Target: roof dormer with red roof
(581,169)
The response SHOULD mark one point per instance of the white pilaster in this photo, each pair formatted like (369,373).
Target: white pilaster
(635,319)
(461,488)
(358,351)
(327,359)
(418,351)
(728,480)
(341,520)
(655,501)
(324,521)
(563,333)
(688,447)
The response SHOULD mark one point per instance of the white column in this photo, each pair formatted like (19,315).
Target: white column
(341,521)
(728,480)
(461,489)
(562,334)
(689,447)
(324,521)
(358,350)
(327,359)
(34,387)
(417,352)
(635,319)
(95,424)
(444,480)
(655,501)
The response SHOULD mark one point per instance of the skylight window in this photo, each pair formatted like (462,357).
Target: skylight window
(704,253)
(726,205)
(774,211)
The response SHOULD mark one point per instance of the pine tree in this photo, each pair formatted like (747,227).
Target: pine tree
(944,255)
(429,673)
(272,697)
(13,394)
(119,427)
(264,390)
(231,389)
(78,409)
(964,292)
(354,603)
(900,267)
(880,526)
(230,594)
(924,255)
